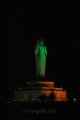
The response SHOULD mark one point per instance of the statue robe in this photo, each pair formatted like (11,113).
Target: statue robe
(40,56)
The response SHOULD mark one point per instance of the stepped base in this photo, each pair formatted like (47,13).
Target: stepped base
(34,90)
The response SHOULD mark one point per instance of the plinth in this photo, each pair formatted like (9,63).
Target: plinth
(35,90)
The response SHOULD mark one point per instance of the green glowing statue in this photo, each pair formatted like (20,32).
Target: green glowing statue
(40,56)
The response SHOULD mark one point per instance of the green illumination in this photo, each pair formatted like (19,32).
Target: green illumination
(40,56)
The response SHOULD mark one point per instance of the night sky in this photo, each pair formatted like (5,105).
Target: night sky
(59,38)
(59,32)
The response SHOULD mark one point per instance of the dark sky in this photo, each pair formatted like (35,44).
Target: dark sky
(59,36)
(59,30)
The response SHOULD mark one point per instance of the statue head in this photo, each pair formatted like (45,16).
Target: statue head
(41,41)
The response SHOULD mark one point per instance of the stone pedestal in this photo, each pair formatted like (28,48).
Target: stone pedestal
(34,90)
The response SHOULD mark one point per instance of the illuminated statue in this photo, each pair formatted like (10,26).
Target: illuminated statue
(40,56)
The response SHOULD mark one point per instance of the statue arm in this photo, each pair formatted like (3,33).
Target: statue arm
(46,51)
(36,50)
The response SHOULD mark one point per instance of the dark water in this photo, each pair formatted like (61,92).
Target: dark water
(24,111)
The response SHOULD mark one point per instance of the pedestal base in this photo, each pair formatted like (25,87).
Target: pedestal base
(35,90)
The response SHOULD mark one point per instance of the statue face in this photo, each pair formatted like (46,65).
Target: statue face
(42,41)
